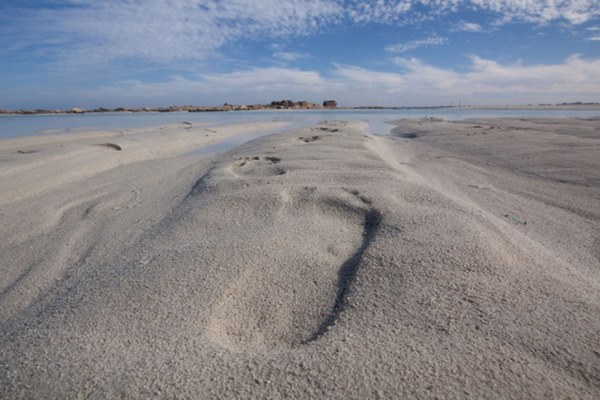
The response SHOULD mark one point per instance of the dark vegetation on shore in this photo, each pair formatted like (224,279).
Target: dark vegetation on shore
(285,105)
(275,105)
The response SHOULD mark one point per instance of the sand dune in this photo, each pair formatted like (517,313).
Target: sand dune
(324,262)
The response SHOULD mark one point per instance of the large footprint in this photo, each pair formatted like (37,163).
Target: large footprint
(291,295)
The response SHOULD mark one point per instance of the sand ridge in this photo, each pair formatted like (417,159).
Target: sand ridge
(324,262)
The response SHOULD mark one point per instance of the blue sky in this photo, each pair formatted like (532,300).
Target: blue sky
(89,53)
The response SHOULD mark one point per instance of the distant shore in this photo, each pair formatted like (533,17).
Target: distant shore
(301,105)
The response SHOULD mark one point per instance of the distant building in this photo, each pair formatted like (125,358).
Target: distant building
(282,104)
(330,104)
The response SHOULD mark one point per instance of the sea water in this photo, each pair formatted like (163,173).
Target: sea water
(46,124)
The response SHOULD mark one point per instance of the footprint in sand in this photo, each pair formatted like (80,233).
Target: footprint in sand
(308,139)
(109,145)
(292,293)
(258,166)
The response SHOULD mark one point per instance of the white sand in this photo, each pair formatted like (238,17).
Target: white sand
(319,263)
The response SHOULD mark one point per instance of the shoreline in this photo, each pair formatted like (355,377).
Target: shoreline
(21,126)
(232,108)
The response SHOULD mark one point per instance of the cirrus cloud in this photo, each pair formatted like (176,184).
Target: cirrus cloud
(415,44)
(163,31)
(150,46)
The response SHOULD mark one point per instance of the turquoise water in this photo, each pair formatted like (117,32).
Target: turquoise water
(21,125)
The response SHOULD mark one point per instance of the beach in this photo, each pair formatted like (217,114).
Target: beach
(449,259)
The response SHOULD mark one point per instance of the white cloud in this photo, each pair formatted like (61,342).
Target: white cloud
(260,79)
(382,11)
(167,32)
(493,81)
(413,83)
(414,44)
(469,27)
(185,34)
(364,80)
(574,11)
(290,56)
(535,11)
(244,86)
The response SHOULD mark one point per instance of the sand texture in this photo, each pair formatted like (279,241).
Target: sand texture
(448,260)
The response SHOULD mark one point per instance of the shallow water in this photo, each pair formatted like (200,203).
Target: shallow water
(238,140)
(21,125)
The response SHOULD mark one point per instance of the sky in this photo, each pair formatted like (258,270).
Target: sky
(58,54)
